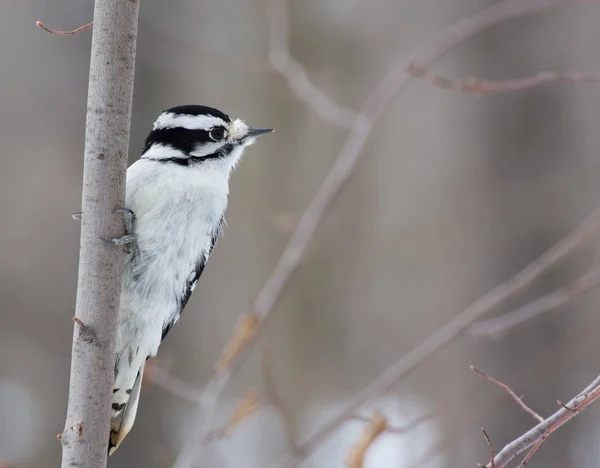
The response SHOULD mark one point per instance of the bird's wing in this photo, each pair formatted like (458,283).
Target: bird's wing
(191,282)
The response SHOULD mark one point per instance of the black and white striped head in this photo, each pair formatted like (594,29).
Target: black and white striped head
(198,135)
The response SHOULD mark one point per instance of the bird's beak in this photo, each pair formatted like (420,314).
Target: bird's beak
(254,132)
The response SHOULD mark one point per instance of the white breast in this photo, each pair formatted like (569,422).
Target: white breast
(178,210)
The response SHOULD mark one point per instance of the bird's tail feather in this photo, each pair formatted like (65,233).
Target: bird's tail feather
(126,396)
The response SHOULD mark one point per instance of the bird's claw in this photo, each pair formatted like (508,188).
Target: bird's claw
(129,240)
(128,218)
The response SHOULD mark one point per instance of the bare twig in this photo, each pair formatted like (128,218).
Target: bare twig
(537,364)
(508,390)
(98,290)
(296,75)
(481,86)
(39,24)
(386,90)
(442,337)
(535,437)
(554,300)
(489,442)
(360,130)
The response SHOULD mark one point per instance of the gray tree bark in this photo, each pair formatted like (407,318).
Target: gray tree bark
(85,437)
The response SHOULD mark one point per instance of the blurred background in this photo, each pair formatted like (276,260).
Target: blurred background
(454,194)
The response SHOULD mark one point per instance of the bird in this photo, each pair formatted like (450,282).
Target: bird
(176,197)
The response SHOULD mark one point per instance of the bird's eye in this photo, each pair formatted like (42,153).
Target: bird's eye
(216,134)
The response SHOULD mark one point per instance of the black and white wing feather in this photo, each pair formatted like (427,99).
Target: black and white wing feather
(191,282)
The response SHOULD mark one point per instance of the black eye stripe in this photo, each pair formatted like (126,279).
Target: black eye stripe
(180,138)
(191,160)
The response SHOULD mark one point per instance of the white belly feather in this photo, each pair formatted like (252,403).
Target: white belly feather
(178,211)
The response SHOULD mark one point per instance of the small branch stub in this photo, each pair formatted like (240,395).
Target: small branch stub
(86,334)
(39,24)
(78,428)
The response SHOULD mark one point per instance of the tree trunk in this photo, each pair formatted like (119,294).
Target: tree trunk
(85,437)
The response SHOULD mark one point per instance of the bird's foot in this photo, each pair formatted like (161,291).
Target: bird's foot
(128,218)
(129,240)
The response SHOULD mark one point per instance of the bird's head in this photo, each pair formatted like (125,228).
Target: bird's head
(199,136)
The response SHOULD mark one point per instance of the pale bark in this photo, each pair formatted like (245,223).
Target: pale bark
(85,437)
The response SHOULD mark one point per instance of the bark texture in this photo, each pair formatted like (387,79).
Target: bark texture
(85,437)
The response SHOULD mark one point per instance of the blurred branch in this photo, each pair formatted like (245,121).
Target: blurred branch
(508,390)
(480,86)
(400,429)
(245,408)
(377,426)
(360,130)
(552,301)
(85,437)
(39,24)
(163,379)
(536,436)
(442,337)
(244,333)
(294,72)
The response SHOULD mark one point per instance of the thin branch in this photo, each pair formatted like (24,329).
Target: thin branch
(535,437)
(489,442)
(508,390)
(536,365)
(39,24)
(385,91)
(162,379)
(361,127)
(552,301)
(85,437)
(294,72)
(481,86)
(442,337)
